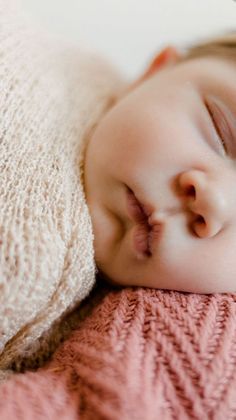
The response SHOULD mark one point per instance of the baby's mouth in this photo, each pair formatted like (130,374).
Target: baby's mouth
(144,236)
(141,239)
(135,209)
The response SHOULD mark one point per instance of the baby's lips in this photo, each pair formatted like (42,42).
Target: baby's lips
(154,237)
(146,209)
(140,239)
(146,240)
(135,209)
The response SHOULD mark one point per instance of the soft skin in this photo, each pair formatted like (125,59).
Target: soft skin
(160,141)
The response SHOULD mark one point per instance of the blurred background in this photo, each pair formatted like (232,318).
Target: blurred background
(130,32)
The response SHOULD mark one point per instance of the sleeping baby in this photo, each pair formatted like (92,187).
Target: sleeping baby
(160,174)
(134,180)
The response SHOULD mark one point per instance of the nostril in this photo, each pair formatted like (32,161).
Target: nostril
(190,191)
(197,225)
(187,183)
(200,220)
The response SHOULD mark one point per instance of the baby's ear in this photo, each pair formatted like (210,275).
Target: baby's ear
(167,57)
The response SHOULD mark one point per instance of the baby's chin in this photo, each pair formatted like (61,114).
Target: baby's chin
(104,279)
(197,289)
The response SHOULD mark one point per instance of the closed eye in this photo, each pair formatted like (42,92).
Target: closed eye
(220,124)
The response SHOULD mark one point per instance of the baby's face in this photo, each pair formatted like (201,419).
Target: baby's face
(171,143)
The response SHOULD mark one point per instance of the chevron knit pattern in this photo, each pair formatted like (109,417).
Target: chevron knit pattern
(140,354)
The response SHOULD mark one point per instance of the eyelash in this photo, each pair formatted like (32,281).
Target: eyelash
(223,143)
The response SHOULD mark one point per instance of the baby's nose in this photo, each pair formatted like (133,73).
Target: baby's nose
(206,201)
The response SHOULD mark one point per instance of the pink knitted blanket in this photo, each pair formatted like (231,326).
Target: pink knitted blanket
(138,354)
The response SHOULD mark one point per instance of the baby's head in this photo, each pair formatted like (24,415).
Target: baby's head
(160,174)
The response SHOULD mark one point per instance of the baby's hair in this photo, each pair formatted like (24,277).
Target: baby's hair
(222,46)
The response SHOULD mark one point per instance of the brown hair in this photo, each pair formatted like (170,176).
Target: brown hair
(222,46)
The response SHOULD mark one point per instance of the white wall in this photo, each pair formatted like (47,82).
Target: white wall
(131,31)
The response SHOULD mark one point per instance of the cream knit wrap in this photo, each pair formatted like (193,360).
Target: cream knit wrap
(51,97)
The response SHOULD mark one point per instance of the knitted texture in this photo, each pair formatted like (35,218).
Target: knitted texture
(52,95)
(139,354)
